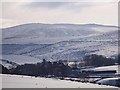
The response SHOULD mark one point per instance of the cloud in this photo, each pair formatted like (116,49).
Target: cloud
(59,12)
(52,5)
(59,5)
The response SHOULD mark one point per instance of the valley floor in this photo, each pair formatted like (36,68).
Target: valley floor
(18,81)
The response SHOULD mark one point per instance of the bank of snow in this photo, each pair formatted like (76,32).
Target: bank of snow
(17,81)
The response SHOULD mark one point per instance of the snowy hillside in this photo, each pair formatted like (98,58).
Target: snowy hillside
(104,44)
(17,81)
(67,50)
(66,41)
(50,33)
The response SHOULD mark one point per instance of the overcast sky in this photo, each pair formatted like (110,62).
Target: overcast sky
(89,11)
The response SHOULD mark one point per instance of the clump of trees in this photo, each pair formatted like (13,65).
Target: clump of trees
(99,60)
(46,68)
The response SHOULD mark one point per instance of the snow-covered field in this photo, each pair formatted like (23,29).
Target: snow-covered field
(17,81)
(20,59)
(105,68)
(12,61)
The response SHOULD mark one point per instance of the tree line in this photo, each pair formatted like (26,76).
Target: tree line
(59,68)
